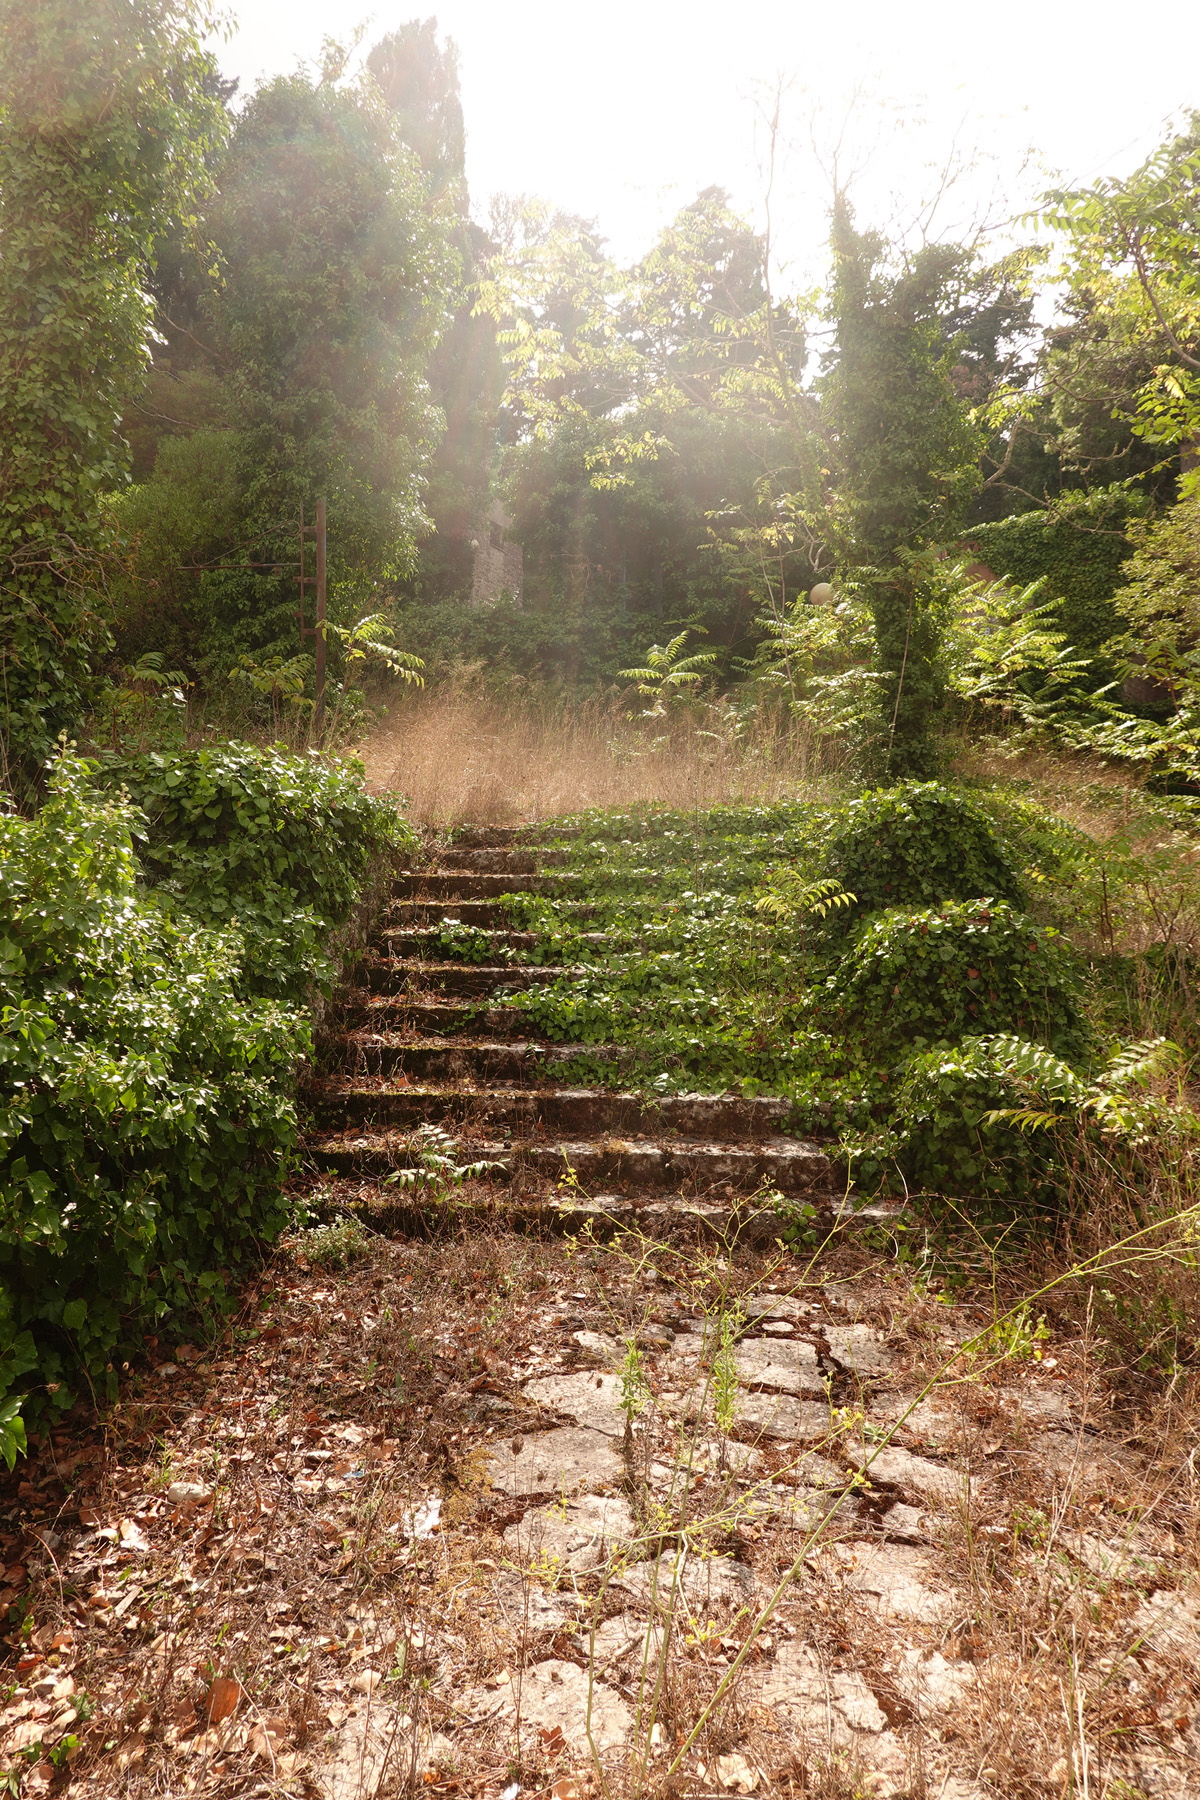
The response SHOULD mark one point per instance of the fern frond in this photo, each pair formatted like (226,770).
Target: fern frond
(1025,1118)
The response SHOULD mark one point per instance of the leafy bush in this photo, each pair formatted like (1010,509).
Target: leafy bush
(1031,839)
(1079,545)
(278,843)
(947,1145)
(1001,1116)
(145,1101)
(501,642)
(919,979)
(916,845)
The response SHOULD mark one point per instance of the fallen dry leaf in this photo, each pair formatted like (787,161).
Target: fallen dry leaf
(131,1535)
(223,1699)
(736,1773)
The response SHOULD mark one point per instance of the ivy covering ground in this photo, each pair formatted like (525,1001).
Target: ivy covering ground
(153,967)
(899,1020)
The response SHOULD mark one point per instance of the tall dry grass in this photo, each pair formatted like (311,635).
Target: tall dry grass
(459,756)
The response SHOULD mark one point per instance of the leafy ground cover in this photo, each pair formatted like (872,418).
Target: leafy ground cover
(156,965)
(821,952)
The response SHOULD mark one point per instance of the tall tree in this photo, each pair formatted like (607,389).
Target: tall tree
(106,119)
(904,465)
(334,265)
(1132,350)
(417,77)
(647,409)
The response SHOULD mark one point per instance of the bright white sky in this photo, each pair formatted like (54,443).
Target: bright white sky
(623,110)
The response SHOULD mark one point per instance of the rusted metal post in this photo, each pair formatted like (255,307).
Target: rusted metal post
(319,708)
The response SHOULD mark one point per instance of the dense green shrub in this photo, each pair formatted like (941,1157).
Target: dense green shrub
(146,1107)
(1041,845)
(946,1146)
(503,642)
(278,842)
(1079,545)
(916,845)
(913,980)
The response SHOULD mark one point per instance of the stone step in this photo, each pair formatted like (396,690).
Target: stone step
(724,1219)
(404,915)
(391,1017)
(498,837)
(509,1111)
(477,884)
(624,1165)
(392,981)
(478,1060)
(486,836)
(509,860)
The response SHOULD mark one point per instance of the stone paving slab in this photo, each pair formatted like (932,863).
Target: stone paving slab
(554,1696)
(580,1536)
(782,1416)
(555,1462)
(701,1583)
(593,1400)
(915,1474)
(785,1367)
(860,1350)
(899,1581)
(805,1694)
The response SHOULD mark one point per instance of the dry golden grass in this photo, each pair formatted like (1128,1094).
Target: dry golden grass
(1098,797)
(459,757)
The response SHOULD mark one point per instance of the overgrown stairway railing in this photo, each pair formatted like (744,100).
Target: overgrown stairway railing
(426,1041)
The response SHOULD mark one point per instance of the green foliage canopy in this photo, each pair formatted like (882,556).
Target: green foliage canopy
(912,980)
(1132,257)
(334,264)
(154,966)
(918,844)
(904,463)
(106,119)
(273,844)
(1079,546)
(145,1102)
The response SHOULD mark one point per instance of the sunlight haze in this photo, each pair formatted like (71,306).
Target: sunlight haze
(623,113)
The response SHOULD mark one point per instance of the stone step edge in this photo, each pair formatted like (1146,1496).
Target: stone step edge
(499,974)
(793,1166)
(395,1040)
(337,1087)
(600,1215)
(399,1143)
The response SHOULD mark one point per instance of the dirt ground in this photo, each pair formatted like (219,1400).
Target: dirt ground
(499,1516)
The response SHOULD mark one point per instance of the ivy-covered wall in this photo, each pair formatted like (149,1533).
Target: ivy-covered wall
(1079,545)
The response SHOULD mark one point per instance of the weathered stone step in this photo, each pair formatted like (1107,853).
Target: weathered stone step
(464,1059)
(488,837)
(385,1018)
(789,1164)
(725,1219)
(392,981)
(405,914)
(578,1112)
(477,884)
(506,860)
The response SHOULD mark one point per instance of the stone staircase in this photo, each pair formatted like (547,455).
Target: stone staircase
(422,1042)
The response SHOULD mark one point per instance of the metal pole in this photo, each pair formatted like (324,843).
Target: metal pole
(319,709)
